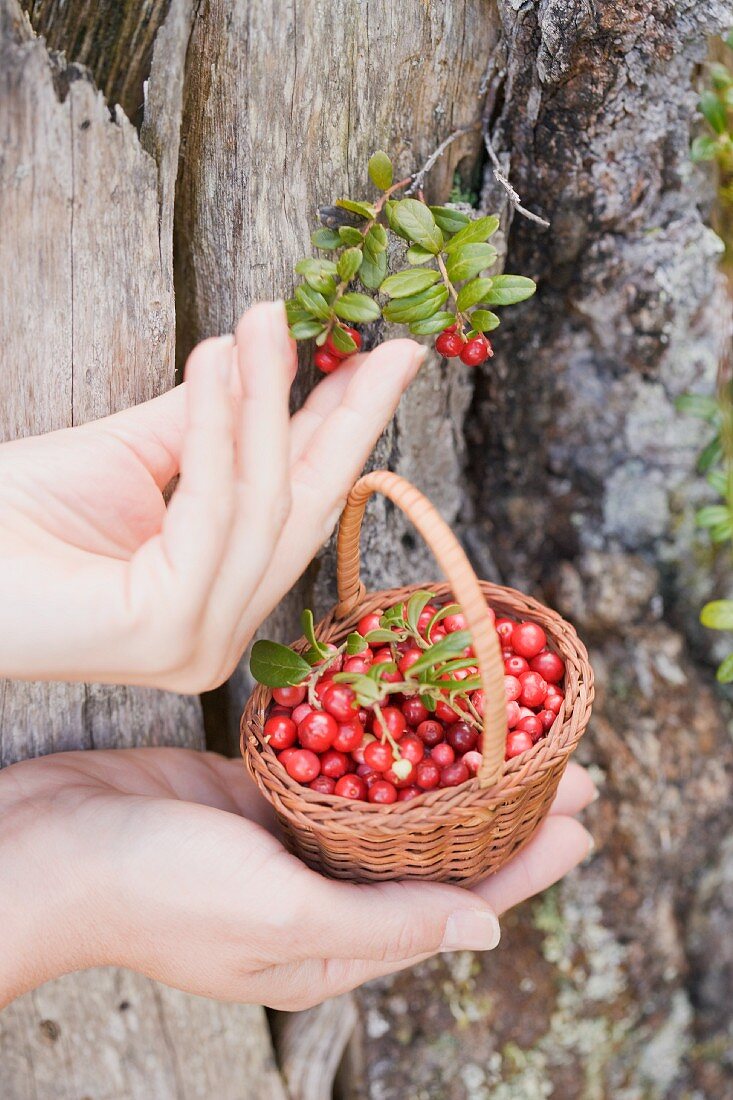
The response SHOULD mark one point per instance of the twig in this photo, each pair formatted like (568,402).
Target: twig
(419,177)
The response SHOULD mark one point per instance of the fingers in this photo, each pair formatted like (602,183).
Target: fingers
(153,431)
(576,790)
(320,403)
(559,844)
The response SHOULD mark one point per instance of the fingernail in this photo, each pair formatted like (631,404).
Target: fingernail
(224,363)
(471,930)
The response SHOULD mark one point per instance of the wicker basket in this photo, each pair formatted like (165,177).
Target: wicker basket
(458,834)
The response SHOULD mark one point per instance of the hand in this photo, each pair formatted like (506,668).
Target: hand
(128,591)
(164,861)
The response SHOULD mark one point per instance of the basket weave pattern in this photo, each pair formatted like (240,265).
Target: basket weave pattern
(458,834)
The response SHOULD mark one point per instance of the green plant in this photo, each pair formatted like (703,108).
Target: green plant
(716,145)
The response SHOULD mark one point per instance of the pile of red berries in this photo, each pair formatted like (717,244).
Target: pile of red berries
(329,356)
(472,351)
(399,749)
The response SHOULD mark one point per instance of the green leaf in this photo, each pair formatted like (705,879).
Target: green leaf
(437,323)
(380,170)
(712,515)
(376,239)
(722,532)
(714,111)
(306,330)
(718,615)
(277,665)
(383,637)
(506,290)
(342,340)
(483,320)
(479,230)
(428,702)
(447,647)
(295,312)
(703,148)
(394,616)
(720,76)
(405,283)
(311,300)
(416,254)
(697,404)
(355,644)
(356,307)
(419,307)
(416,221)
(363,209)
(467,261)
(325,239)
(309,633)
(318,274)
(450,221)
(724,675)
(718,480)
(473,292)
(349,263)
(416,604)
(367,691)
(390,208)
(349,235)
(711,455)
(373,270)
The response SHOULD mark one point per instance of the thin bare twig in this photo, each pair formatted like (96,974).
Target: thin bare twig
(419,177)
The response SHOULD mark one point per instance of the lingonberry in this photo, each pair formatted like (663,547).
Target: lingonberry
(412,748)
(517,741)
(334,764)
(452,775)
(323,784)
(408,793)
(515,666)
(513,714)
(512,687)
(351,786)
(437,634)
(408,658)
(425,617)
(325,361)
(280,731)
(318,731)
(550,666)
(528,639)
(393,719)
(462,737)
(478,698)
(534,689)
(449,344)
(384,657)
(442,754)
(300,712)
(401,774)
(472,760)
(531,725)
(340,701)
(505,628)
(358,752)
(280,710)
(430,732)
(445,713)
(360,663)
(333,350)
(382,792)
(427,775)
(378,756)
(553,703)
(369,622)
(455,622)
(303,765)
(547,717)
(289,696)
(476,351)
(414,711)
(285,755)
(349,735)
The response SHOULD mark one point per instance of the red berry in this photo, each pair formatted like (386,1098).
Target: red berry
(534,689)
(449,344)
(425,617)
(280,710)
(303,765)
(553,703)
(442,754)
(505,629)
(427,775)
(455,622)
(349,735)
(476,351)
(325,361)
(378,756)
(334,764)
(412,748)
(323,784)
(394,720)
(340,701)
(531,725)
(336,352)
(517,741)
(382,792)
(512,687)
(351,786)
(472,760)
(357,664)
(446,713)
(547,717)
(318,731)
(414,711)
(384,657)
(549,665)
(528,639)
(513,714)
(408,793)
(430,733)
(401,774)
(369,622)
(289,696)
(285,755)
(462,737)
(408,658)
(478,698)
(515,666)
(281,731)
(300,712)
(454,774)
(437,634)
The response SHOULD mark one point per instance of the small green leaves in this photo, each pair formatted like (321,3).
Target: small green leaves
(376,239)
(380,170)
(416,254)
(405,283)
(418,307)
(447,647)
(450,221)
(277,665)
(711,515)
(326,239)
(724,675)
(704,148)
(306,330)
(418,224)
(373,270)
(468,260)
(308,628)
(314,302)
(349,263)
(342,340)
(349,235)
(416,604)
(356,307)
(472,293)
(319,274)
(506,290)
(431,325)
(718,615)
(483,320)
(363,209)
(714,111)
(479,230)
(355,644)
(697,404)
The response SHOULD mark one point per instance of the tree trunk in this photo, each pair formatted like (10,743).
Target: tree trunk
(564,466)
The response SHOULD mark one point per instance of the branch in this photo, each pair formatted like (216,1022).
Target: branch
(419,177)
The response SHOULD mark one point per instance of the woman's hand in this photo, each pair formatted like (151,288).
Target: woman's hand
(99,581)
(164,861)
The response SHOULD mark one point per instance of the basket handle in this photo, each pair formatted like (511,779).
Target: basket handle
(453,561)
